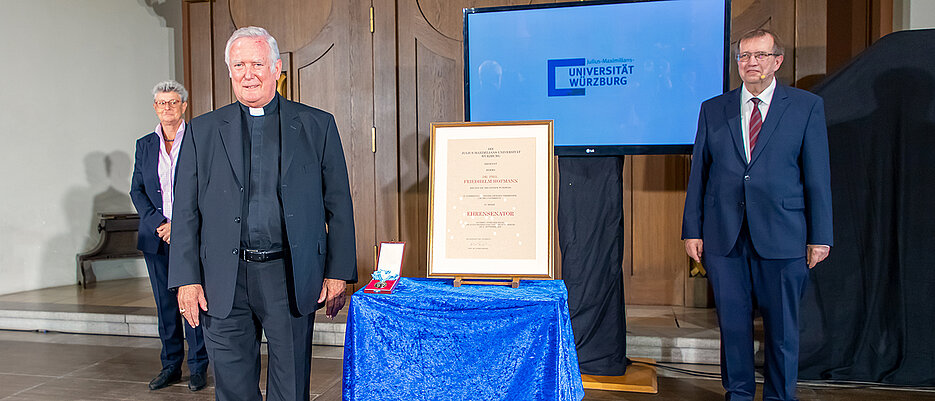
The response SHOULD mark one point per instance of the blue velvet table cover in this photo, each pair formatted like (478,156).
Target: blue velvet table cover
(429,340)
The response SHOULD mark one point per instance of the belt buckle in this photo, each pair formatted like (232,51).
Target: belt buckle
(249,255)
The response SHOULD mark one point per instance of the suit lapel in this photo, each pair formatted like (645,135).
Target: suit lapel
(187,133)
(152,159)
(780,103)
(291,128)
(231,131)
(732,115)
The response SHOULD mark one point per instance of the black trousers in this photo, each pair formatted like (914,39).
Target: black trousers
(261,303)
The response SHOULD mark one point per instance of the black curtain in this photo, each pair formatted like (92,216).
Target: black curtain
(590,225)
(869,313)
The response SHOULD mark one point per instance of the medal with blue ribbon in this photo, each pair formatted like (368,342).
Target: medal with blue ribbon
(383,276)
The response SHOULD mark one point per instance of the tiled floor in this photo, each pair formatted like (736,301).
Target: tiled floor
(58,366)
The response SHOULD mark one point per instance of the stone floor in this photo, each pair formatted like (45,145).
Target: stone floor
(57,366)
(52,365)
(126,307)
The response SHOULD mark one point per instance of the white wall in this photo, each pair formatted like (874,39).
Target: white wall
(913,14)
(76,96)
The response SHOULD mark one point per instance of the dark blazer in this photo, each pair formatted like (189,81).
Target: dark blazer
(314,192)
(146,192)
(785,189)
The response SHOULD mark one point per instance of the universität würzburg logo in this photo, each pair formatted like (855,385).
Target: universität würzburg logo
(572,76)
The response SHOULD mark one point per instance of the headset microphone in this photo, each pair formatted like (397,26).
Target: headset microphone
(762,76)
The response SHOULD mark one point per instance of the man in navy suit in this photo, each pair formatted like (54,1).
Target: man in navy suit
(758,213)
(264,225)
(151,192)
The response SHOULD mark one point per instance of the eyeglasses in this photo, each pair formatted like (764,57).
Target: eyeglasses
(163,103)
(760,56)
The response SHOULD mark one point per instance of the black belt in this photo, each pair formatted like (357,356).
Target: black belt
(250,255)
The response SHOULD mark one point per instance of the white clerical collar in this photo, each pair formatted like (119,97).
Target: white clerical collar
(256,111)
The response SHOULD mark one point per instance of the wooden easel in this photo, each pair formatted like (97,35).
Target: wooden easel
(513,282)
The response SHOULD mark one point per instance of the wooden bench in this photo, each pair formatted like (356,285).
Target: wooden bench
(118,241)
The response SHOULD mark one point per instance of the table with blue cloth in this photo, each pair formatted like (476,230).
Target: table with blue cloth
(429,340)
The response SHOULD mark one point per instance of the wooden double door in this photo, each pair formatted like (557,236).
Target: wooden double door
(387,69)
(328,53)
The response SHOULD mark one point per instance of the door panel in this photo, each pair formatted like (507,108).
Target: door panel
(326,48)
(331,75)
(655,263)
(198,52)
(430,90)
(294,23)
(407,74)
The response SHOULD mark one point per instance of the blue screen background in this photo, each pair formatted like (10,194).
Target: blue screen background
(676,50)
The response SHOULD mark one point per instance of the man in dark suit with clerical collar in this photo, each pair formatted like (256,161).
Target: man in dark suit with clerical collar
(265,225)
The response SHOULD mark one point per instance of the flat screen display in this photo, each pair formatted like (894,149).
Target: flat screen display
(616,77)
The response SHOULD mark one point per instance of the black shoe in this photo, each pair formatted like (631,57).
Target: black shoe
(198,381)
(165,378)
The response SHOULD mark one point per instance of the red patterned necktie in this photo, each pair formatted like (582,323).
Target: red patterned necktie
(756,122)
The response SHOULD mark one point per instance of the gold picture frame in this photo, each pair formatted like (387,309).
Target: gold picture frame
(491,203)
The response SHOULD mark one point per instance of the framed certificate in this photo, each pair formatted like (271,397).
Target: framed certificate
(490,200)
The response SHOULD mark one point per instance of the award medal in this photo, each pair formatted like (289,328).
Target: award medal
(383,276)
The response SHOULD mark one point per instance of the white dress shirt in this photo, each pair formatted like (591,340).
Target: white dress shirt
(166,167)
(746,110)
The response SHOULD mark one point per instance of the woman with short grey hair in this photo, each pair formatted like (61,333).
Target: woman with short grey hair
(171,86)
(151,190)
